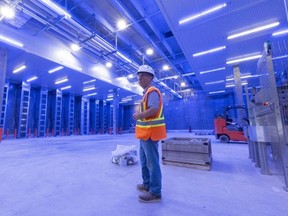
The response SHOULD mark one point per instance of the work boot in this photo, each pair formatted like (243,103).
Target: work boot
(142,188)
(149,197)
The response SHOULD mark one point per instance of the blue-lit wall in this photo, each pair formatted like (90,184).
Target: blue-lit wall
(196,112)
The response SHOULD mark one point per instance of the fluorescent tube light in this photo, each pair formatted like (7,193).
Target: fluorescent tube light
(211,10)
(280,57)
(19,69)
(216,92)
(88,95)
(10,41)
(61,81)
(188,74)
(170,77)
(89,89)
(109,99)
(215,82)
(56,8)
(66,87)
(123,57)
(244,59)
(212,70)
(89,81)
(163,84)
(253,30)
(209,51)
(55,69)
(230,85)
(280,32)
(31,79)
(105,79)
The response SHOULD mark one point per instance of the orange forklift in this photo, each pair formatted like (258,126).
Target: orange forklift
(228,130)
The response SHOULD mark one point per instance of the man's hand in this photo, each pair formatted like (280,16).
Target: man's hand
(137,116)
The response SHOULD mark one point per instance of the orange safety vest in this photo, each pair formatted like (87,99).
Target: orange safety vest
(153,127)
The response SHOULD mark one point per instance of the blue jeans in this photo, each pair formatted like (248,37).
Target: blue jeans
(151,172)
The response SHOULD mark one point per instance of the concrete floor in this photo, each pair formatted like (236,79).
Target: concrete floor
(74,176)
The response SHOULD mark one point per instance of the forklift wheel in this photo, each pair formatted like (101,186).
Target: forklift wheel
(224,139)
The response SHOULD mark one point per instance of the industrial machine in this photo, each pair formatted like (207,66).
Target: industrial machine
(227,129)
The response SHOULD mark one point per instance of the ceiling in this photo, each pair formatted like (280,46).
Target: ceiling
(46,35)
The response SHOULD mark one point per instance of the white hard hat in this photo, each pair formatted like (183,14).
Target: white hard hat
(146,69)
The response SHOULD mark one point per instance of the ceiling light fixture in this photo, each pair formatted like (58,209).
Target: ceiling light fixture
(217,92)
(214,82)
(56,8)
(188,74)
(108,64)
(31,79)
(271,25)
(149,51)
(244,59)
(55,69)
(61,81)
(280,32)
(208,11)
(280,57)
(10,41)
(105,79)
(89,81)
(88,95)
(183,84)
(212,70)
(209,51)
(19,69)
(122,24)
(66,87)
(7,12)
(123,57)
(89,88)
(75,47)
(165,67)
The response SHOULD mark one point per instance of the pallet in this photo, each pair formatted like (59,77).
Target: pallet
(189,165)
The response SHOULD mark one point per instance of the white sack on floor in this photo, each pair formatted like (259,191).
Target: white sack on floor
(125,155)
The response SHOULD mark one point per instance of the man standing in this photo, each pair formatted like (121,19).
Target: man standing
(150,128)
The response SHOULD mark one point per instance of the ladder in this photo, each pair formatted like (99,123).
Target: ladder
(4,107)
(85,115)
(97,116)
(42,113)
(58,112)
(24,110)
(71,114)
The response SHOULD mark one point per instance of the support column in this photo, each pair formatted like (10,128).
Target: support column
(115,110)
